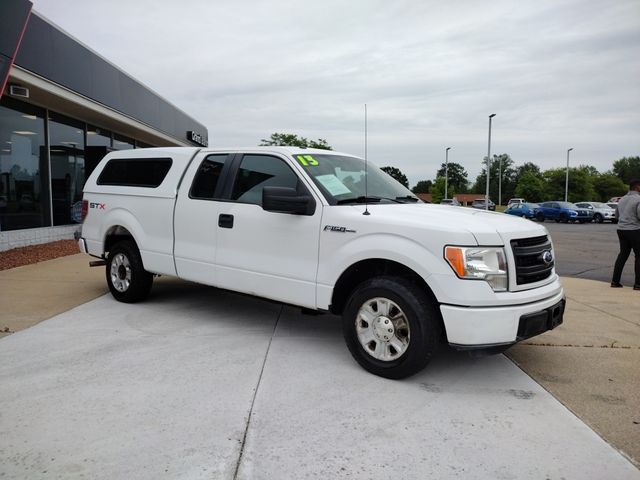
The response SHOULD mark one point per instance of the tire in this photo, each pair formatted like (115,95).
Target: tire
(564,218)
(128,281)
(399,309)
(598,218)
(540,217)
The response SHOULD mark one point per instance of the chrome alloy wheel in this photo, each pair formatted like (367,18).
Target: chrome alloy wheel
(120,272)
(382,329)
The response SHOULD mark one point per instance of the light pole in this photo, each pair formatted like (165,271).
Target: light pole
(446,171)
(486,197)
(566,180)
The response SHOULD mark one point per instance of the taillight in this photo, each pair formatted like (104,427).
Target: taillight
(85,209)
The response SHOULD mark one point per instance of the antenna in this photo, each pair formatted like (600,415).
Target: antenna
(366,192)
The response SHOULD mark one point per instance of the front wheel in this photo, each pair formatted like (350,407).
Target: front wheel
(391,327)
(540,217)
(128,281)
(598,218)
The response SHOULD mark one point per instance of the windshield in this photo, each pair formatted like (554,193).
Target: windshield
(342,180)
(599,205)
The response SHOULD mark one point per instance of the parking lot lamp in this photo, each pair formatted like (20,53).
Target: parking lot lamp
(486,197)
(446,171)
(566,180)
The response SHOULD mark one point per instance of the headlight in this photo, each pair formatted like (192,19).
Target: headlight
(573,213)
(480,263)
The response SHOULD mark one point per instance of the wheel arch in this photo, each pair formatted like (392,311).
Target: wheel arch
(115,234)
(366,269)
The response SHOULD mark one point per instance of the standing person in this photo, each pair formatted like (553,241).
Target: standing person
(628,233)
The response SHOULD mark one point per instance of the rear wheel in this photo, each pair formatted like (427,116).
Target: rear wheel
(128,281)
(391,327)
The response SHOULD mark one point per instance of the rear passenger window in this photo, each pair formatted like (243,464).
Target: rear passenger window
(206,180)
(135,172)
(257,172)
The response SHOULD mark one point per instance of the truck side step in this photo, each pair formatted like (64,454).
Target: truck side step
(97,263)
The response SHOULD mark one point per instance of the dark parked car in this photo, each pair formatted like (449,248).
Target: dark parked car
(525,210)
(563,212)
(479,204)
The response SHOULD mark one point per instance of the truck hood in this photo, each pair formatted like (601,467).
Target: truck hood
(488,228)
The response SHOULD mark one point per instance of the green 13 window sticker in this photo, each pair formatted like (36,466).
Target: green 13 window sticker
(307,160)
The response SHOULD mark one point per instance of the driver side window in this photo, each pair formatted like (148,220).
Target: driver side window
(257,172)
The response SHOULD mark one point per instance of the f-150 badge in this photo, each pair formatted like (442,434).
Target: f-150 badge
(333,228)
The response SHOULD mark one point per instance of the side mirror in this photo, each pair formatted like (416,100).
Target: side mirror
(287,200)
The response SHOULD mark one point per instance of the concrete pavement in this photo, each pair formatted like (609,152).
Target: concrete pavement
(199,383)
(592,362)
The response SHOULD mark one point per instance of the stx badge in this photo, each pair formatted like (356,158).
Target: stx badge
(99,206)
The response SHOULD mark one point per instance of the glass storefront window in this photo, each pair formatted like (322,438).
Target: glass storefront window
(98,137)
(66,137)
(24,183)
(122,143)
(140,144)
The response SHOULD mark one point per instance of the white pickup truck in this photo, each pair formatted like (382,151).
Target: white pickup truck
(318,229)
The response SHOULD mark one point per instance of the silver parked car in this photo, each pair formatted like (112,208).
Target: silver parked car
(601,211)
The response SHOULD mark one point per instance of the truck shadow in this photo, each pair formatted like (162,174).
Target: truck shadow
(318,332)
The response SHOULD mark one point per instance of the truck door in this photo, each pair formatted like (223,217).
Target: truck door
(196,217)
(273,255)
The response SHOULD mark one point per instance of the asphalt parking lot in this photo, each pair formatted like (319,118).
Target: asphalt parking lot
(587,250)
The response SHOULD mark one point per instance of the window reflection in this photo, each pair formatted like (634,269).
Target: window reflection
(98,137)
(122,143)
(66,138)
(24,194)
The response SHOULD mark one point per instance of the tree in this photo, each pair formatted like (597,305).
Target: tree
(508,178)
(437,190)
(608,185)
(580,184)
(397,174)
(627,168)
(527,167)
(423,186)
(531,187)
(292,140)
(457,176)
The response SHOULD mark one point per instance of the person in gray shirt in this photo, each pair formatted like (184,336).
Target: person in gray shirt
(628,233)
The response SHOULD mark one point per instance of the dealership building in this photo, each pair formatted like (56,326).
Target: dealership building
(62,108)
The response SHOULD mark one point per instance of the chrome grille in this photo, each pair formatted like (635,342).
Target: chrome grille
(529,258)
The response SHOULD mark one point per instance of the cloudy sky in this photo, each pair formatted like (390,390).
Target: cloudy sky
(558,74)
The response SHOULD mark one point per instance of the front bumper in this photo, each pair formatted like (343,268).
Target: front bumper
(477,328)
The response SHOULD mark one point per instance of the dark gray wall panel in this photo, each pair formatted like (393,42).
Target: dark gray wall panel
(13,14)
(50,53)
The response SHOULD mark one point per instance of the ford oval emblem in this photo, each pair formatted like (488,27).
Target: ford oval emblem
(547,257)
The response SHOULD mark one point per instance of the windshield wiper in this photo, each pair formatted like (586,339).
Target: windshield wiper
(408,198)
(361,199)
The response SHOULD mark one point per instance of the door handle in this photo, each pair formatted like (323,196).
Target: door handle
(225,220)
